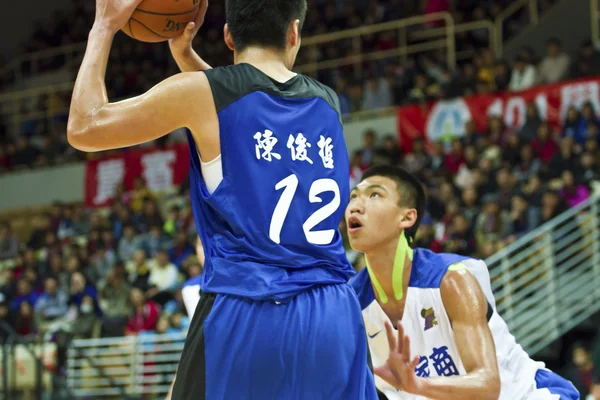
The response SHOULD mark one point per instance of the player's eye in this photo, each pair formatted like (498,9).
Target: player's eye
(374,195)
(353,196)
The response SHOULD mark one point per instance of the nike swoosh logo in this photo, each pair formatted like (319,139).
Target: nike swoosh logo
(373,336)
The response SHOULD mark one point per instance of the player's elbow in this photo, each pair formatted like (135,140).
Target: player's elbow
(492,386)
(80,134)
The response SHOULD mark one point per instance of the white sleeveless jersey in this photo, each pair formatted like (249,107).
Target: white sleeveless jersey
(427,324)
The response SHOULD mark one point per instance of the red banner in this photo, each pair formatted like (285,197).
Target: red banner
(444,119)
(161,168)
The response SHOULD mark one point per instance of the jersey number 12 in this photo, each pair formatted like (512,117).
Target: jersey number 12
(289,186)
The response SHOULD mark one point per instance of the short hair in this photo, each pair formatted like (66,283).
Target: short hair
(262,23)
(411,191)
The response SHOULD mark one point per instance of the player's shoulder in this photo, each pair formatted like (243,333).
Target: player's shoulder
(361,283)
(230,83)
(429,268)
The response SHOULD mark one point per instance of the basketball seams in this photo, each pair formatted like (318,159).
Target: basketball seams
(131,29)
(168,14)
(149,29)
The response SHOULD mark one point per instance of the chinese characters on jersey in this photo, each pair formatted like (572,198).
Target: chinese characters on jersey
(266,148)
(441,361)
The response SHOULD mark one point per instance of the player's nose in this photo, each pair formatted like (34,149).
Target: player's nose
(356,206)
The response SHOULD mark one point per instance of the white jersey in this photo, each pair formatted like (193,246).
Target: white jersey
(190,292)
(427,324)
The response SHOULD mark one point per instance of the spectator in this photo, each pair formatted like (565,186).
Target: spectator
(511,151)
(24,323)
(454,159)
(588,128)
(102,261)
(527,165)
(571,192)
(180,250)
(544,145)
(565,159)
(51,305)
(128,244)
(116,302)
(555,66)
(460,240)
(470,208)
(145,313)
(572,126)
(523,75)
(25,294)
(139,271)
(9,244)
(580,372)
(587,62)
(493,224)
(589,167)
(173,223)
(377,94)
(416,160)
(163,278)
(389,153)
(524,218)
(81,290)
(139,194)
(154,241)
(471,137)
(426,236)
(532,122)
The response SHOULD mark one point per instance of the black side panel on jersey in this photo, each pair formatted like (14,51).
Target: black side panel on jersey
(233,82)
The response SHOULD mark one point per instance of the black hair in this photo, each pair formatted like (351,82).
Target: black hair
(411,191)
(262,23)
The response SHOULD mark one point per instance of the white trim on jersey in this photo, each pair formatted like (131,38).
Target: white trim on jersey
(191,297)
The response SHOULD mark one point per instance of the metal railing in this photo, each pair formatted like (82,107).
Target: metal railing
(31,63)
(548,281)
(23,107)
(515,7)
(399,27)
(126,366)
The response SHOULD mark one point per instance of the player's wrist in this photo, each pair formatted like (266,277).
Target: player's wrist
(103,28)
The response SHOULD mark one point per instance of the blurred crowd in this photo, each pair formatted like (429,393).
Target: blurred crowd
(100,273)
(487,189)
(134,67)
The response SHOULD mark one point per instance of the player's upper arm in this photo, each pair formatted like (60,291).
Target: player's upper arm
(467,309)
(183,100)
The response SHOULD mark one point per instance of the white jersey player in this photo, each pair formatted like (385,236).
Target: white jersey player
(450,342)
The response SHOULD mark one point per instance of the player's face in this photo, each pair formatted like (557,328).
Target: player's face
(373,216)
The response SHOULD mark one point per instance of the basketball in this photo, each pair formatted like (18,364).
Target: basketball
(159,20)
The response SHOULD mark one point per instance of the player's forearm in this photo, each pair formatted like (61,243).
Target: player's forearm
(478,385)
(89,92)
(189,61)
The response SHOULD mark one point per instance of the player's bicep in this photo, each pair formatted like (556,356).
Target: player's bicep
(467,308)
(174,103)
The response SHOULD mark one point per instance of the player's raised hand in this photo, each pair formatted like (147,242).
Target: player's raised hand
(114,14)
(183,42)
(399,370)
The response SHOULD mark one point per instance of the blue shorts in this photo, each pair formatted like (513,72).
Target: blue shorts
(547,382)
(311,347)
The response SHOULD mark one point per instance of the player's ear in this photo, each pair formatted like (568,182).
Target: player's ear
(294,33)
(228,38)
(408,218)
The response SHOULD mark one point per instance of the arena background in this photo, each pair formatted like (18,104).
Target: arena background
(494,104)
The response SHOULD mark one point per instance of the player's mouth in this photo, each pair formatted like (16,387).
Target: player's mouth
(354,225)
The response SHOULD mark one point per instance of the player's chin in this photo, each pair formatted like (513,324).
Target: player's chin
(358,241)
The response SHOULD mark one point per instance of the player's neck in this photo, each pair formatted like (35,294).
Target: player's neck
(390,268)
(271,62)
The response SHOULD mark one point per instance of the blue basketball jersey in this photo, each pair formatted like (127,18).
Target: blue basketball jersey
(270,229)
